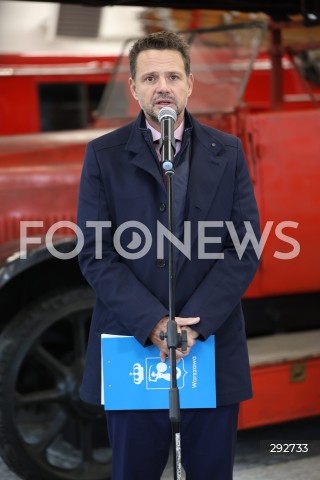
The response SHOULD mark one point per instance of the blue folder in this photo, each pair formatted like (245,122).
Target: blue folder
(135,378)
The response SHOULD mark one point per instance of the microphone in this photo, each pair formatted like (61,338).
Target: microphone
(167,118)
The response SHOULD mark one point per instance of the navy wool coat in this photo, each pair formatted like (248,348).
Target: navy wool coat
(121,182)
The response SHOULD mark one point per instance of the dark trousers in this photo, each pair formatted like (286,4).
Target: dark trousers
(140,442)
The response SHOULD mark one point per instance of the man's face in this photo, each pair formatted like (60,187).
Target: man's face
(161,81)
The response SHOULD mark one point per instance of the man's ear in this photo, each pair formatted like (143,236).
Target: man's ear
(133,88)
(190,83)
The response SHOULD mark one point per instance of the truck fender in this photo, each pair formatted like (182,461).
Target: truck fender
(13,261)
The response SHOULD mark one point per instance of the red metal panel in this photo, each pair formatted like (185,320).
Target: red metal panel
(285,147)
(277,398)
(39,179)
(19,106)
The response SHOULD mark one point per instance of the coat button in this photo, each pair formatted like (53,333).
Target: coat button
(162,207)
(161,262)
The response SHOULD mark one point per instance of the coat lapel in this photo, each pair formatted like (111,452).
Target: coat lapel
(140,144)
(209,160)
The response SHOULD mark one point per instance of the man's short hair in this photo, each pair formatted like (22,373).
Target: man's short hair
(159,41)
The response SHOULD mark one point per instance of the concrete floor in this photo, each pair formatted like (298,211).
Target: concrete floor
(254,464)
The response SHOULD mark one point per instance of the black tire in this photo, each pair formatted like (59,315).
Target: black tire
(46,432)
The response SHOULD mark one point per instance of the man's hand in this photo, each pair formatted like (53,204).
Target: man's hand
(182,323)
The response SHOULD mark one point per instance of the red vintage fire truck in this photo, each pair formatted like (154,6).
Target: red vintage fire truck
(270,99)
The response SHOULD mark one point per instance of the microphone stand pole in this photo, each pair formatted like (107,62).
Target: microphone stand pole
(174,339)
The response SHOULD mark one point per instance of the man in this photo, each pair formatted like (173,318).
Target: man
(122,182)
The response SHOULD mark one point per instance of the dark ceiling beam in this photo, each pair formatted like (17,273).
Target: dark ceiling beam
(277,9)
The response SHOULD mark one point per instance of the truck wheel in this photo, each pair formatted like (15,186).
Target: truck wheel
(46,432)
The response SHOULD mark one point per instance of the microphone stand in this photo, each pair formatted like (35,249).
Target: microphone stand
(174,339)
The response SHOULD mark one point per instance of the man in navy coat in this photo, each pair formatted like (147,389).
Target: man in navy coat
(122,186)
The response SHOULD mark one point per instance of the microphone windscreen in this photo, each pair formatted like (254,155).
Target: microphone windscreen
(166,112)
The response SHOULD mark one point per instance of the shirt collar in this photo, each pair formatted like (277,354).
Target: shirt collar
(156,135)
